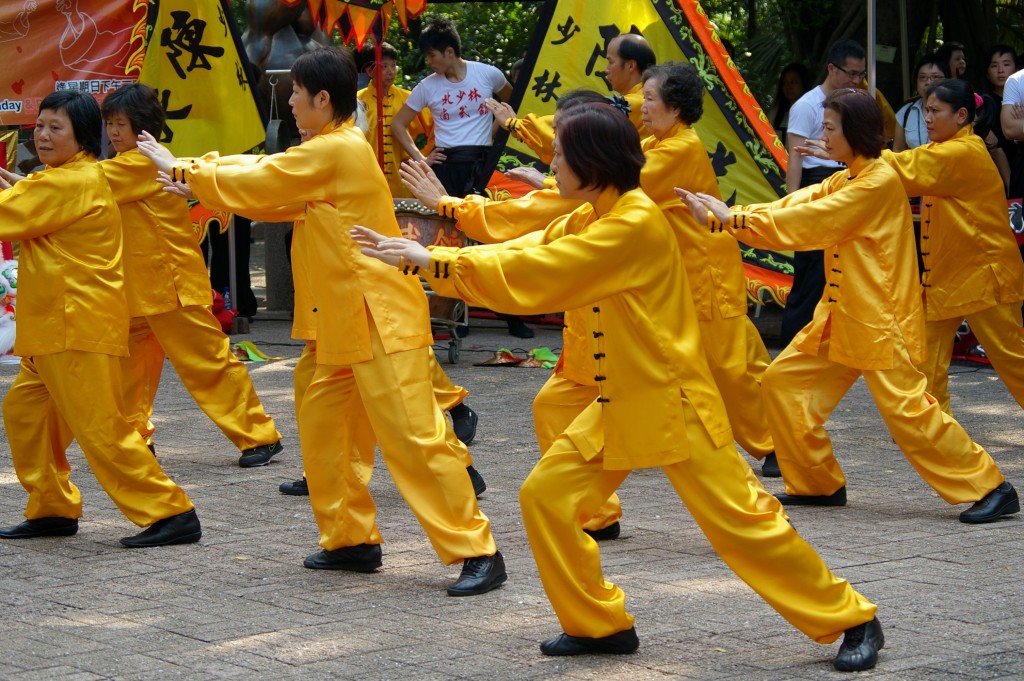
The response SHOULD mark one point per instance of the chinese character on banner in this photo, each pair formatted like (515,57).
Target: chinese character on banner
(195,62)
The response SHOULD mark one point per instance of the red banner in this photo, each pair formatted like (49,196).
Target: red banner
(48,45)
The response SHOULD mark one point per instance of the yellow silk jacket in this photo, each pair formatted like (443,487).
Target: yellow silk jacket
(70,276)
(713,261)
(502,223)
(394,154)
(163,264)
(971,259)
(861,219)
(538,132)
(619,266)
(335,179)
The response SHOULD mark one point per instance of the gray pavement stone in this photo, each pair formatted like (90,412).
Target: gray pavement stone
(239,605)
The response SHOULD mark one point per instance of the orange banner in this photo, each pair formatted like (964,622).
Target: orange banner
(48,45)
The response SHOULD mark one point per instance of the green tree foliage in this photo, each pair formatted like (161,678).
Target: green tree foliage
(496,33)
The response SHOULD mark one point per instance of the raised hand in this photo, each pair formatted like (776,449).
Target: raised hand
(177,188)
(699,204)
(8,179)
(527,175)
(502,111)
(390,250)
(815,148)
(161,157)
(420,179)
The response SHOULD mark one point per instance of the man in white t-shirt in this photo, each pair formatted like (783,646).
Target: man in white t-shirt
(1011,117)
(846,69)
(455,94)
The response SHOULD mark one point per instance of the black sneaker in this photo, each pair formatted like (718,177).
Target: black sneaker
(464,422)
(770,467)
(295,488)
(479,575)
(479,485)
(260,456)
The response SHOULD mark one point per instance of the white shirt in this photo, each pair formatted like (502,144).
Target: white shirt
(460,117)
(807,119)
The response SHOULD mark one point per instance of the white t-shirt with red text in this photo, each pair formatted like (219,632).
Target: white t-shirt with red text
(460,117)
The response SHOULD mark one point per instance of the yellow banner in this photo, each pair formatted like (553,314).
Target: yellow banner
(193,61)
(573,54)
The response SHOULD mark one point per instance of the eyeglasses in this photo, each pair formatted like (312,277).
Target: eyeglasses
(930,79)
(856,75)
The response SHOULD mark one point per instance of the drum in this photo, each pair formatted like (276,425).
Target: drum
(428,228)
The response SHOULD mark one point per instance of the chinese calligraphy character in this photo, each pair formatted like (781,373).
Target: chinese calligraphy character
(447,98)
(567,30)
(177,115)
(473,95)
(188,39)
(544,89)
(463,113)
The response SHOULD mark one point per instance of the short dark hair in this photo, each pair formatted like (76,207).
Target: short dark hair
(680,87)
(439,35)
(84,114)
(929,59)
(633,47)
(601,147)
(842,50)
(140,104)
(957,93)
(367,55)
(332,69)
(999,49)
(945,53)
(579,97)
(861,118)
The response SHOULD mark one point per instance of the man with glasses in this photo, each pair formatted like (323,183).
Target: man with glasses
(846,69)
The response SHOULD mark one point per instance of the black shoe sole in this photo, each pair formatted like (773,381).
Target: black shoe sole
(185,539)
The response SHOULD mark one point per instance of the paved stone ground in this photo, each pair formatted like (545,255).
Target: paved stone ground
(239,604)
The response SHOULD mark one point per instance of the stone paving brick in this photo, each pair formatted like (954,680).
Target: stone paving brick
(239,605)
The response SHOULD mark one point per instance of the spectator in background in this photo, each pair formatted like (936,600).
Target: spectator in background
(911,130)
(455,93)
(393,99)
(846,69)
(794,81)
(1002,62)
(954,63)
(1011,117)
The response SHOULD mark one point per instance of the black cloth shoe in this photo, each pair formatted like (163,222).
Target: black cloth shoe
(994,505)
(837,498)
(361,558)
(479,575)
(260,456)
(860,647)
(183,528)
(621,643)
(41,527)
(295,488)
(517,328)
(479,484)
(152,448)
(770,467)
(605,533)
(464,422)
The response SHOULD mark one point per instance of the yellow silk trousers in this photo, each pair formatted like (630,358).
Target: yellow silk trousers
(800,392)
(999,330)
(558,403)
(446,393)
(201,353)
(748,532)
(738,359)
(76,395)
(391,397)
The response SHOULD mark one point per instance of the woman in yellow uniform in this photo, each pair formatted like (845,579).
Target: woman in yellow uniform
(673,102)
(869,323)
(168,291)
(972,266)
(372,335)
(72,328)
(618,263)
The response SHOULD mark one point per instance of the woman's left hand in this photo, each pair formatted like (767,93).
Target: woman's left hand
(815,148)
(9,179)
(390,250)
(171,187)
(700,204)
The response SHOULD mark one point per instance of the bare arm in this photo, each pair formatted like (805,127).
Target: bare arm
(505,93)
(400,132)
(899,141)
(795,170)
(1011,117)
